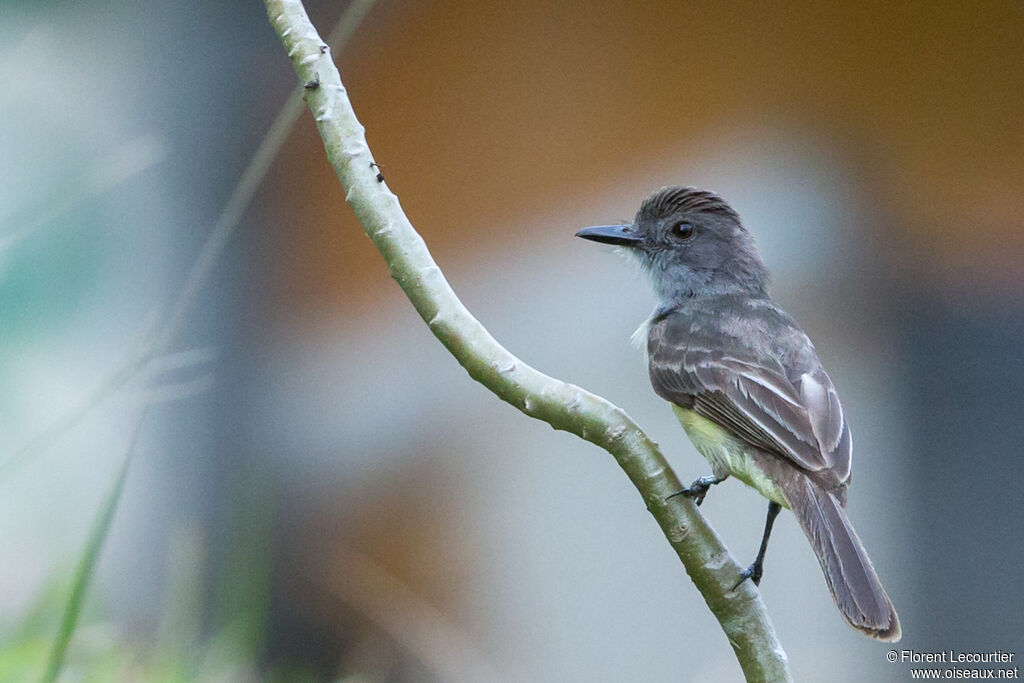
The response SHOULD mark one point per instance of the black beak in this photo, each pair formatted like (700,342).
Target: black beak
(621,235)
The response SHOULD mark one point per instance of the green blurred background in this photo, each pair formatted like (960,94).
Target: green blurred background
(321,493)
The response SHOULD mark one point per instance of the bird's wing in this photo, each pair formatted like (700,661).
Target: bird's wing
(764,384)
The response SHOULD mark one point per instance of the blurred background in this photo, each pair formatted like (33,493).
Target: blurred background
(319,492)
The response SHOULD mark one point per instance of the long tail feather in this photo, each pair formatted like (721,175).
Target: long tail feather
(848,571)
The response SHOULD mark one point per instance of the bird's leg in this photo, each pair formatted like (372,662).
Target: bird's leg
(754,571)
(699,488)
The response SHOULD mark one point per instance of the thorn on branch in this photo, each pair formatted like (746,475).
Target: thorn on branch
(323,49)
(380,176)
(313,84)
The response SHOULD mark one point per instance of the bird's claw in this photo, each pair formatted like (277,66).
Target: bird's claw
(697,490)
(753,572)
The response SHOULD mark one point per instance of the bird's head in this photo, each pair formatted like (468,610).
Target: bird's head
(691,243)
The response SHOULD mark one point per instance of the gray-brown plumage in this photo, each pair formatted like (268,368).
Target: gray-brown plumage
(747,385)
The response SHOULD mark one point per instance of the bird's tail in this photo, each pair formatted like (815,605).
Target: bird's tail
(851,578)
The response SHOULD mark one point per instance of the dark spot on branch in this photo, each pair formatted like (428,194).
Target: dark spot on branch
(313,84)
(380,176)
(323,49)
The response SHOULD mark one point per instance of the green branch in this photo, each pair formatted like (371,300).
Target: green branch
(740,612)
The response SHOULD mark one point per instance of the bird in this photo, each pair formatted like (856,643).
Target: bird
(747,386)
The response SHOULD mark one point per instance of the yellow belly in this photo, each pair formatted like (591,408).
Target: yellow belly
(727,454)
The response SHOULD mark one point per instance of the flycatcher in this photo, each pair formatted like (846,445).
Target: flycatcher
(747,386)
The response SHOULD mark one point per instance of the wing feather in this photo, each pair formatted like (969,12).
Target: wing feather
(769,390)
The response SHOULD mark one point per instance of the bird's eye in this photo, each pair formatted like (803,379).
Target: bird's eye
(683,231)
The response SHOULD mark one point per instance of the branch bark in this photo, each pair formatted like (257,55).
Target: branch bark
(740,612)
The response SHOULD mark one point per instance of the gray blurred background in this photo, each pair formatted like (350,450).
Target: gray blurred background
(342,502)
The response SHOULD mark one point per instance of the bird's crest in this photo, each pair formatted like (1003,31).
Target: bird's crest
(669,200)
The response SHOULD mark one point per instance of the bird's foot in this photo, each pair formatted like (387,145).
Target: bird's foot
(753,572)
(698,489)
